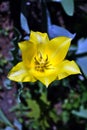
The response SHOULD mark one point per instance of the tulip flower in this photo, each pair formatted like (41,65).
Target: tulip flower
(43,60)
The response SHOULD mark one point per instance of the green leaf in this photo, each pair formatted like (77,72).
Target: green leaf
(17,124)
(3,61)
(8,128)
(15,50)
(4,119)
(24,23)
(82,46)
(46,123)
(35,110)
(65,116)
(68,6)
(82,113)
(82,62)
(81,54)
(54,115)
(17,37)
(44,98)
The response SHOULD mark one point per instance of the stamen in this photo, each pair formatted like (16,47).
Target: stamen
(41,64)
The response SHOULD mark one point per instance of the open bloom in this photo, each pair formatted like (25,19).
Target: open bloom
(43,60)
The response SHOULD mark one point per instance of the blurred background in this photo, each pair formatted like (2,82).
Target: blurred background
(32,106)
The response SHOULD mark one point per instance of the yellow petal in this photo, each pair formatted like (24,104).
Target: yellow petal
(45,77)
(28,50)
(68,68)
(57,49)
(38,37)
(20,74)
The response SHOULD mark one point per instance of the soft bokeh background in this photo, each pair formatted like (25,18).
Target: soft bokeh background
(32,106)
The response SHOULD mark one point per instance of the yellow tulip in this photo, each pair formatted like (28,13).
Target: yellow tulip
(43,60)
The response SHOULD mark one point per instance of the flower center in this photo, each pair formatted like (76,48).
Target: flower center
(41,64)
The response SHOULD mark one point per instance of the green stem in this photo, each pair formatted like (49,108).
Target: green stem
(44,16)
